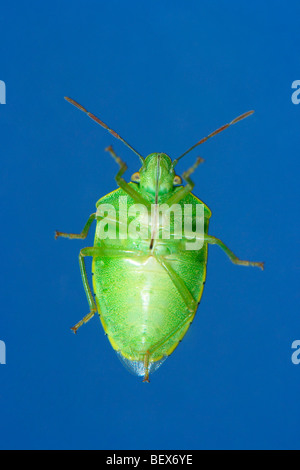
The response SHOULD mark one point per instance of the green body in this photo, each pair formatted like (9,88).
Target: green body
(143,310)
(147,288)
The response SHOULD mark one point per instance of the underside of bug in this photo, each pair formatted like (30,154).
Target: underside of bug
(149,257)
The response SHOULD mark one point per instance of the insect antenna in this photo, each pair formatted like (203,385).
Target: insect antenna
(98,121)
(237,119)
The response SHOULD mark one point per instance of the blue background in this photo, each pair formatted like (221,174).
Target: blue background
(163,75)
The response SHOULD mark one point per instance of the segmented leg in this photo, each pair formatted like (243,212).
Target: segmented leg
(123,184)
(86,252)
(81,235)
(94,251)
(190,303)
(179,284)
(189,186)
(187,321)
(216,241)
(148,353)
(146,366)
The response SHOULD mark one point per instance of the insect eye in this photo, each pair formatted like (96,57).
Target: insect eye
(177,180)
(136,177)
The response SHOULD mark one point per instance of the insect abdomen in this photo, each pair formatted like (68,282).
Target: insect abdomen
(141,308)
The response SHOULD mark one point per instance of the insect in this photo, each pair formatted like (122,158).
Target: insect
(147,288)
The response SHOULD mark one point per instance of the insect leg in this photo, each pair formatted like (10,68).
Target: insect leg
(179,284)
(122,183)
(175,198)
(230,254)
(94,251)
(81,235)
(90,251)
(146,366)
(184,323)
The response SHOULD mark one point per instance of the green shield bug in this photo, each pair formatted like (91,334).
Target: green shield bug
(148,268)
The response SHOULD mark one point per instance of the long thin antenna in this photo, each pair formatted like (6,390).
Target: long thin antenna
(98,121)
(239,118)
